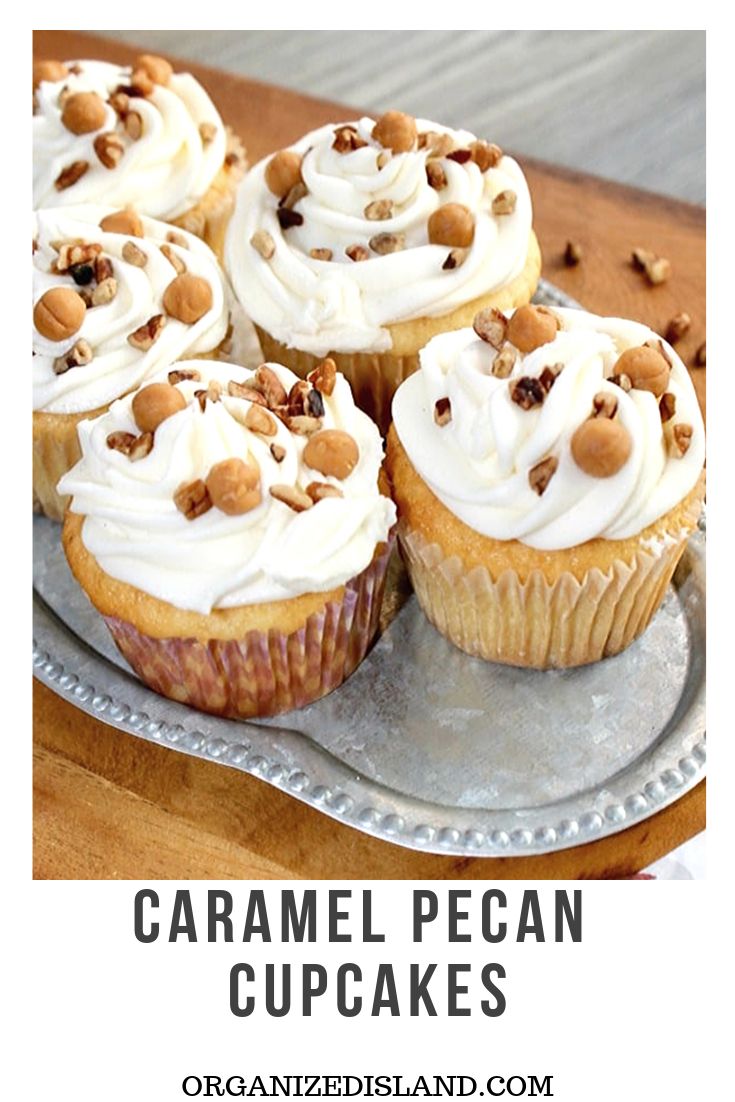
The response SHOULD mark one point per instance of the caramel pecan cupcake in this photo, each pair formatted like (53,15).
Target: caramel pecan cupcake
(548,469)
(140,136)
(239,556)
(116,297)
(364,240)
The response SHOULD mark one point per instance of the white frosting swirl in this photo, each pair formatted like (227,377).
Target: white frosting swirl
(478,464)
(136,533)
(163,173)
(116,366)
(340,305)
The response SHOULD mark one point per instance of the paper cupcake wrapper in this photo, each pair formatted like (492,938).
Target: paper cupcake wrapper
(265,672)
(373,376)
(55,451)
(209,218)
(538,623)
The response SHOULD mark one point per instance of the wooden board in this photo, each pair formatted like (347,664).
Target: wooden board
(110,805)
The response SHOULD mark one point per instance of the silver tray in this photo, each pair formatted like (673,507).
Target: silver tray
(424,746)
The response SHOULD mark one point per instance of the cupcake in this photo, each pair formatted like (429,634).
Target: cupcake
(140,136)
(116,298)
(239,563)
(365,239)
(547,466)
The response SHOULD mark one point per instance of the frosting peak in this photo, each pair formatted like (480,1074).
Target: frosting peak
(496,432)
(162,510)
(100,138)
(349,247)
(131,326)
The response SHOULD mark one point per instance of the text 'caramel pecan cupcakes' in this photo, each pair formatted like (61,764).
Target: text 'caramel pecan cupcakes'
(116,297)
(139,136)
(365,239)
(229,526)
(547,466)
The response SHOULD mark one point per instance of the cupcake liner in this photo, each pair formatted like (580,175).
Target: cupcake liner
(208,219)
(55,451)
(373,376)
(263,673)
(537,623)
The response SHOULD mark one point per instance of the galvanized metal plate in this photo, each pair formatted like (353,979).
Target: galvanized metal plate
(423,745)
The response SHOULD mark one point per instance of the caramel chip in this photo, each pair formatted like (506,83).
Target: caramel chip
(187,298)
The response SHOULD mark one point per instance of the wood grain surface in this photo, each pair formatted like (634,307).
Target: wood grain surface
(110,805)
(619,103)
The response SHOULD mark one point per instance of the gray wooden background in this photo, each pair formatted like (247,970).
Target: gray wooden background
(629,105)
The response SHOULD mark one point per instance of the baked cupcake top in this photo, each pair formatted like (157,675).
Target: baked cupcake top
(116,297)
(552,427)
(363,224)
(140,135)
(217,486)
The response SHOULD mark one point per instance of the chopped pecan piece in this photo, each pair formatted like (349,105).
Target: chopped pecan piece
(503,364)
(278,452)
(657,269)
(604,404)
(442,412)
(540,476)
(504,202)
(304,425)
(296,400)
(71,254)
(679,440)
(320,254)
(436,175)
(455,259)
(141,446)
(188,374)
(133,124)
(461,156)
(293,195)
(549,375)
(104,292)
(109,149)
(174,259)
(121,442)
(263,243)
(379,210)
(384,243)
(324,376)
(357,252)
(293,497)
(207,132)
(78,356)
(241,390)
(491,325)
(288,218)
(485,154)
(527,392)
(667,406)
(177,239)
(69,175)
(271,387)
(103,268)
(317,491)
(623,381)
(346,139)
(679,325)
(147,334)
(133,255)
(192,499)
(259,420)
